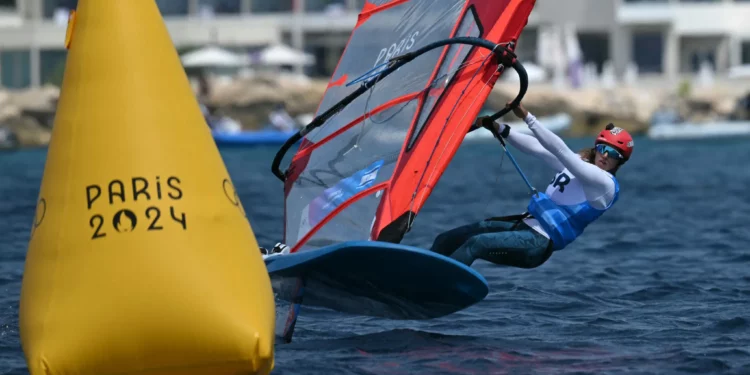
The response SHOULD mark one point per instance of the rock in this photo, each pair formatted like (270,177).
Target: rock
(8,139)
(29,113)
(28,131)
(39,104)
(4,98)
(8,111)
(251,100)
(591,108)
(41,99)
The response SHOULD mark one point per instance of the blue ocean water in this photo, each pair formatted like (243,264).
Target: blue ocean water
(659,285)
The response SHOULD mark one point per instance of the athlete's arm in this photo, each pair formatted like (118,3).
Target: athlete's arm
(524,142)
(598,186)
(531,146)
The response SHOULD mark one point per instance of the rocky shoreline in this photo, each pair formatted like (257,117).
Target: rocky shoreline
(26,116)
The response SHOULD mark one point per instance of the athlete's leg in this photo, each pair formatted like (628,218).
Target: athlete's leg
(523,248)
(447,242)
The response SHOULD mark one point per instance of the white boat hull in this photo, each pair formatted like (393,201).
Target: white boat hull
(700,131)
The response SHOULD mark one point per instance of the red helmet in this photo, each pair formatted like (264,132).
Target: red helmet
(618,138)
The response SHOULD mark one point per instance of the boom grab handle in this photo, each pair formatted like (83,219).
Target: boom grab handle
(488,123)
(501,50)
(524,80)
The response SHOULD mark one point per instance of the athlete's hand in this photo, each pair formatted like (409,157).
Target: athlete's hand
(484,119)
(499,128)
(519,111)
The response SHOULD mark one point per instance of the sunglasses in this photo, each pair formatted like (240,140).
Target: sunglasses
(610,151)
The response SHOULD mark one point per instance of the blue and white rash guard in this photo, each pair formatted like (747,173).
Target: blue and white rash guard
(580,190)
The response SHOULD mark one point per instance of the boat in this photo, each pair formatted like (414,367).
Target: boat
(412,79)
(251,137)
(668,125)
(691,130)
(694,130)
(228,132)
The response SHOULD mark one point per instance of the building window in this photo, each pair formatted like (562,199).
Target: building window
(698,58)
(15,69)
(595,48)
(220,6)
(59,9)
(648,51)
(6,5)
(698,50)
(325,5)
(52,66)
(271,6)
(172,7)
(745,52)
(527,46)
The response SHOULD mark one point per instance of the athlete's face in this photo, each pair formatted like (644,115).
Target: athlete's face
(607,160)
(604,162)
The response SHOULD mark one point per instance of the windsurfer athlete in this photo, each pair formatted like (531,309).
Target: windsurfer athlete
(584,187)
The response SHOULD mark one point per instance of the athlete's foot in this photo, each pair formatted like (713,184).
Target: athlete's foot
(278,249)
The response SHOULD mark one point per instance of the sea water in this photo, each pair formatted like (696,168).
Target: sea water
(659,285)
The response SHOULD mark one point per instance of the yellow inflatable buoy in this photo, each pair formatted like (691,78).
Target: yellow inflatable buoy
(141,258)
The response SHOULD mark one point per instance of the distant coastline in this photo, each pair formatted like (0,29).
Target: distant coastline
(27,116)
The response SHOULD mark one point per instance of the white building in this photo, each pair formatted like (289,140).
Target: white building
(666,37)
(32,32)
(678,34)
